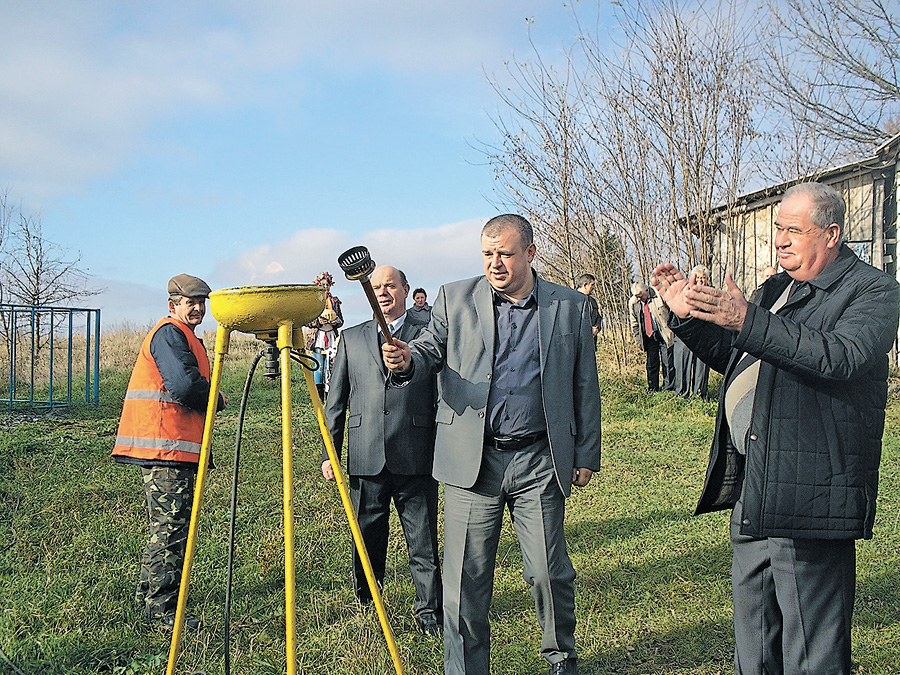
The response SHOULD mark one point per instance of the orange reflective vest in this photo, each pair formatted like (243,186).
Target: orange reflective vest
(154,426)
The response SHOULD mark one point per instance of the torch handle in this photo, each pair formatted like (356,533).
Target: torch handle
(376,309)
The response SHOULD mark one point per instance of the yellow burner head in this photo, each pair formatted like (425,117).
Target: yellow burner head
(261,309)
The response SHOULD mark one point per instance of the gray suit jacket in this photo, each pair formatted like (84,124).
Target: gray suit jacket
(387,426)
(458,345)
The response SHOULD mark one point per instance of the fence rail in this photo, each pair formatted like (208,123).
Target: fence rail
(51,353)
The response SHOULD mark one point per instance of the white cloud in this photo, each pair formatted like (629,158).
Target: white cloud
(81,83)
(123,303)
(428,256)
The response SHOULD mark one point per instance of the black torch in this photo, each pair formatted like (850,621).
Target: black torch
(357,265)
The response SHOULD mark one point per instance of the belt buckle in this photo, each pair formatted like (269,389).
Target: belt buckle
(496,442)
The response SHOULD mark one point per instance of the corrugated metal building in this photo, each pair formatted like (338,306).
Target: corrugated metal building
(745,240)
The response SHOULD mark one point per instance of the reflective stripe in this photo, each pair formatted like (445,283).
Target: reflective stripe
(159,444)
(149,395)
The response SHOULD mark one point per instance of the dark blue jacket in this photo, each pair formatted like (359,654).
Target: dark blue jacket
(814,443)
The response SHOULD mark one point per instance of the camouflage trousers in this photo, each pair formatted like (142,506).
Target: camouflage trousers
(169,492)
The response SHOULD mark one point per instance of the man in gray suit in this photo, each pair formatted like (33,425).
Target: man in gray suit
(390,449)
(518,423)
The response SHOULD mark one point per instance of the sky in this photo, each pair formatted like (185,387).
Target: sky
(250,143)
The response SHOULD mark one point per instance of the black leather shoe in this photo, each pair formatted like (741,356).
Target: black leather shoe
(167,622)
(567,667)
(430,627)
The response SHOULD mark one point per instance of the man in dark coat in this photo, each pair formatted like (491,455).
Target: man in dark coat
(798,433)
(390,449)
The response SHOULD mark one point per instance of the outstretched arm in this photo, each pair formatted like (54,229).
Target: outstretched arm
(726,308)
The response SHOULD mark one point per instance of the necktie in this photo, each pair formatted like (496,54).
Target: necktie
(648,321)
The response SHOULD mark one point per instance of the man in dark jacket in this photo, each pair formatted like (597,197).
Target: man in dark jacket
(390,449)
(798,433)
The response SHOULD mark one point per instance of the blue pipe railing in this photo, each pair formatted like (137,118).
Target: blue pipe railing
(37,331)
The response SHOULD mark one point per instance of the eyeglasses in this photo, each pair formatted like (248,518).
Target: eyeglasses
(797,232)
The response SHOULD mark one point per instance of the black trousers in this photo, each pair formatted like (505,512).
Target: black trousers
(416,501)
(659,354)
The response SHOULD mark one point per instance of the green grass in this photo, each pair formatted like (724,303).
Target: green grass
(653,580)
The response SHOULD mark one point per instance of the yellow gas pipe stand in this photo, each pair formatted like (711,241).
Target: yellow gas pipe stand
(273,313)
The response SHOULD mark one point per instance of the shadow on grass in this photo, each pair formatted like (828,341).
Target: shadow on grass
(628,627)
(596,533)
(878,600)
(707,644)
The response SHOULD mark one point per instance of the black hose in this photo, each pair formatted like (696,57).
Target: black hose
(10,664)
(233,515)
(307,362)
(305,359)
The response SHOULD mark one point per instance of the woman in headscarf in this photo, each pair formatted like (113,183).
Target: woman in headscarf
(322,339)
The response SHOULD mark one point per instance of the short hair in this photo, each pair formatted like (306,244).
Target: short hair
(497,224)
(638,288)
(420,290)
(403,280)
(700,269)
(828,205)
(585,279)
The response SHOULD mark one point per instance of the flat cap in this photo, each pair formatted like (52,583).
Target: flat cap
(188,286)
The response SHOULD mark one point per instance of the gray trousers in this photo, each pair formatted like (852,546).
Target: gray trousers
(793,604)
(523,481)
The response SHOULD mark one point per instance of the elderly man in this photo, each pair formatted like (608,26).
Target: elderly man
(517,425)
(160,431)
(390,449)
(798,434)
(648,317)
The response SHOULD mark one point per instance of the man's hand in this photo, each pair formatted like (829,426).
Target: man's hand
(327,471)
(397,356)
(222,402)
(581,477)
(670,283)
(727,308)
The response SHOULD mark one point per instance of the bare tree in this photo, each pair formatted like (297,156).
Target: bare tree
(543,168)
(834,71)
(686,79)
(620,153)
(35,271)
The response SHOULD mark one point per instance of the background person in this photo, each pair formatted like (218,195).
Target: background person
(321,340)
(648,317)
(798,434)
(420,309)
(691,374)
(517,426)
(586,283)
(161,430)
(390,449)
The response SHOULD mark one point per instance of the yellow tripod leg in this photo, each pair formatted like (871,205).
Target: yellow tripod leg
(285,342)
(223,340)
(354,523)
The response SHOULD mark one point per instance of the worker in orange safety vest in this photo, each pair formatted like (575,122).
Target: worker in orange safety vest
(160,430)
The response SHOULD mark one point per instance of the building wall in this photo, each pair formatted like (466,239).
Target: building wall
(747,247)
